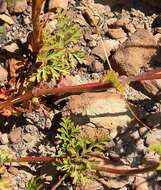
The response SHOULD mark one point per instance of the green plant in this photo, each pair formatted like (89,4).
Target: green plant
(34,184)
(156,148)
(76,151)
(113,77)
(56,55)
(6,156)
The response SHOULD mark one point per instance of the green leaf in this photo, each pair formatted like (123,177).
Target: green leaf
(156,148)
(75,150)
(34,184)
(6,156)
(57,56)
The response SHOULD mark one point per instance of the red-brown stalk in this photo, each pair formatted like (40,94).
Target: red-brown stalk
(149,75)
(131,171)
(36,159)
(121,171)
(38,92)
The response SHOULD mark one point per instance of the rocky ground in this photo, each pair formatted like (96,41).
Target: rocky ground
(131,32)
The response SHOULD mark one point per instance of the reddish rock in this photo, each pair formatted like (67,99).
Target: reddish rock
(141,183)
(129,27)
(18,6)
(116,33)
(106,110)
(110,45)
(53,4)
(15,135)
(3,6)
(135,53)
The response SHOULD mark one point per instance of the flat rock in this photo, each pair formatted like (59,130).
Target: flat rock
(116,33)
(123,20)
(135,53)
(12,47)
(129,27)
(109,45)
(154,137)
(105,110)
(4,138)
(141,183)
(95,12)
(3,6)
(153,86)
(53,4)
(15,135)
(18,6)
(111,21)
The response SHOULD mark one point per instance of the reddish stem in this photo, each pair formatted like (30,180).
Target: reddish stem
(59,182)
(131,171)
(71,89)
(146,77)
(37,92)
(121,171)
(36,159)
(149,75)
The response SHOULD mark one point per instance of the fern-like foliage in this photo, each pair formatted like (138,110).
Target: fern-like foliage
(34,184)
(5,183)
(58,54)
(112,76)
(6,156)
(51,70)
(76,150)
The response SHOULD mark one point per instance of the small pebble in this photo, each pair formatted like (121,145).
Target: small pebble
(4,138)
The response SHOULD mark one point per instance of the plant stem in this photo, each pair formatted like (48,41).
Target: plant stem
(149,75)
(86,6)
(95,86)
(37,92)
(71,89)
(104,168)
(37,27)
(151,167)
(59,182)
(36,159)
